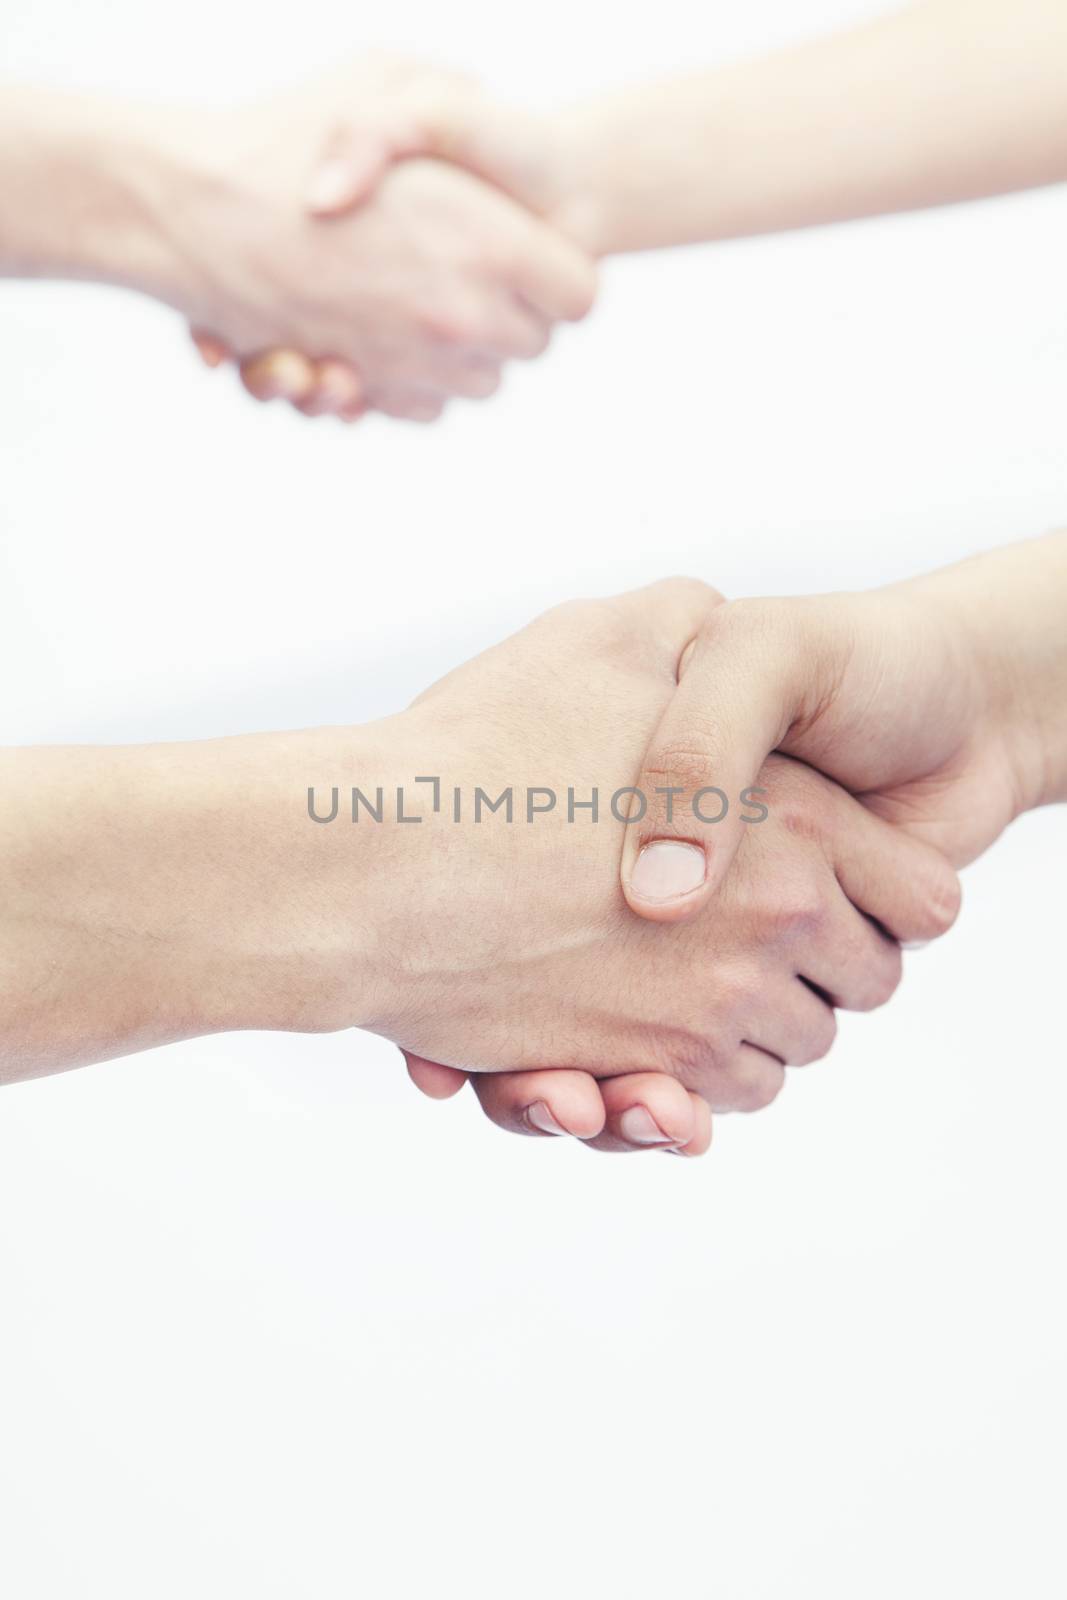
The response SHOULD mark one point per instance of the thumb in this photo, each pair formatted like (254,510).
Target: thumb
(695,799)
(350,167)
(504,147)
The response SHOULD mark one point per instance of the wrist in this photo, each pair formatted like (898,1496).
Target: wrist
(162,892)
(318,942)
(1010,606)
(580,204)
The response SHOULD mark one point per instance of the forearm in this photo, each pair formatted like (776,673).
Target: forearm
(155,893)
(943,101)
(87,186)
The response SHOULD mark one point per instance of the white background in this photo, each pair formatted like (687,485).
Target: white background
(272,1325)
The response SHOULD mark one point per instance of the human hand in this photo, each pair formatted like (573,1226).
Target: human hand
(420,295)
(943,701)
(571,981)
(939,701)
(200,895)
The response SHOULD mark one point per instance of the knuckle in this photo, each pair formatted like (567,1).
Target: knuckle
(694,590)
(797,913)
(689,767)
(801,819)
(579,613)
(881,983)
(604,630)
(801,802)
(752,1085)
(448,324)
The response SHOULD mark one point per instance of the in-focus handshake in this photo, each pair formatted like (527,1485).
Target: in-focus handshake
(616,980)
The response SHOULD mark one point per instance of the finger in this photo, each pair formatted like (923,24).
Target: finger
(549,1101)
(440,1083)
(846,956)
(278,375)
(516,333)
(213,351)
(511,149)
(899,880)
(850,961)
(554,277)
(736,698)
(338,391)
(432,117)
(472,377)
(750,1081)
(409,405)
(652,1111)
(797,1026)
(443,116)
(350,165)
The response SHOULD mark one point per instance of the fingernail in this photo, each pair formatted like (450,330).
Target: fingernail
(330,187)
(668,869)
(914,944)
(540,1117)
(637,1126)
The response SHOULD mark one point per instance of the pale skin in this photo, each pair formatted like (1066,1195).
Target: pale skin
(157,893)
(427,292)
(941,702)
(935,103)
(93,153)
(245,219)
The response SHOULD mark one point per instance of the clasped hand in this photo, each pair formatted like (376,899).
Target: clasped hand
(345,274)
(919,699)
(532,972)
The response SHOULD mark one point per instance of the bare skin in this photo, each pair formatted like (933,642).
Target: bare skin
(155,893)
(941,702)
(935,103)
(423,295)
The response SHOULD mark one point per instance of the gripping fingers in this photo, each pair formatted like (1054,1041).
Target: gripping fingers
(900,881)
(652,1111)
(849,960)
(552,275)
(279,375)
(338,392)
(636,1111)
(550,1101)
(408,404)
(796,1027)
(517,332)
(213,352)
(750,1081)
(434,1080)
(318,388)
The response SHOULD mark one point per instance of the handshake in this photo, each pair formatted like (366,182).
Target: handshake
(343,272)
(620,870)
(388,237)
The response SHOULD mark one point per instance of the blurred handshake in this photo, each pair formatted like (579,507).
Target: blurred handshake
(385,238)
